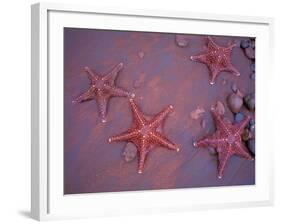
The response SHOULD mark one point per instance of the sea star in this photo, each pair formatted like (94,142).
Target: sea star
(227,140)
(144,133)
(102,88)
(217,59)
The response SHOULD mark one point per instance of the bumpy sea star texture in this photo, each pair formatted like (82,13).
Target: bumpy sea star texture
(227,140)
(102,88)
(162,76)
(218,59)
(144,134)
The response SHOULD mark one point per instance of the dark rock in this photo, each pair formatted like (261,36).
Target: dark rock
(253,43)
(251,125)
(245,43)
(237,42)
(253,67)
(182,40)
(238,117)
(253,76)
(234,87)
(212,150)
(239,93)
(250,53)
(251,145)
(252,128)
(130,152)
(249,101)
(203,123)
(235,102)
(246,135)
(252,122)
(219,150)
(236,90)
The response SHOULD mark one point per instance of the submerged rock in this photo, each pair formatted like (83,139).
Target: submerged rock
(253,76)
(253,67)
(234,87)
(182,40)
(235,102)
(238,117)
(250,53)
(203,123)
(212,150)
(130,152)
(251,125)
(252,122)
(252,128)
(246,135)
(197,113)
(245,43)
(253,43)
(251,145)
(249,101)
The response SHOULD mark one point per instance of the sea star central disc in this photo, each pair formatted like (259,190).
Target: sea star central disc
(227,141)
(217,59)
(102,88)
(144,133)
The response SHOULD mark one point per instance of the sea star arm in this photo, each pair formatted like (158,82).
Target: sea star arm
(230,47)
(115,91)
(163,141)
(126,136)
(242,151)
(232,69)
(199,58)
(92,75)
(212,140)
(111,76)
(88,95)
(214,71)
(223,156)
(102,102)
(220,123)
(137,114)
(203,57)
(211,44)
(142,155)
(239,128)
(228,65)
(156,121)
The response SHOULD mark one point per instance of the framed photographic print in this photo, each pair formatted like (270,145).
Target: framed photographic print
(148,111)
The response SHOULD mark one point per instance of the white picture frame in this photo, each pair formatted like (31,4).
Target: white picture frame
(48,201)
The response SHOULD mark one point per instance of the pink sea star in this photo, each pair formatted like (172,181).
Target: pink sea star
(102,88)
(227,141)
(144,133)
(217,59)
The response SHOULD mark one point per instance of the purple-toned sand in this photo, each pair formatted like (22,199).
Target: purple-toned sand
(160,73)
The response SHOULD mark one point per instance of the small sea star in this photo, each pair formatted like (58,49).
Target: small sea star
(217,59)
(227,140)
(102,88)
(144,133)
